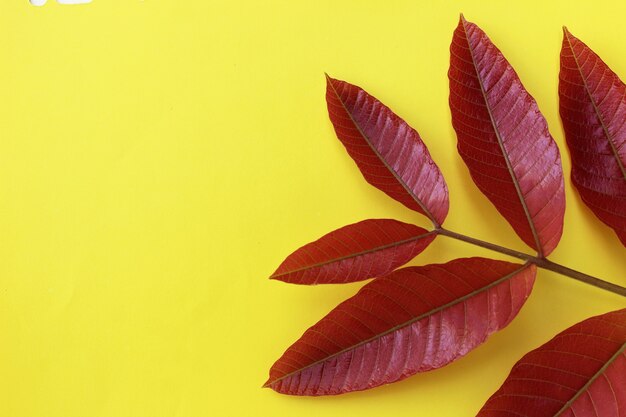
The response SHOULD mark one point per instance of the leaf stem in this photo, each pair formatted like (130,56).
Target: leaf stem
(541,262)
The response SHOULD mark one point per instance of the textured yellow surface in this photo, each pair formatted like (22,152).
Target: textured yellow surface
(158,159)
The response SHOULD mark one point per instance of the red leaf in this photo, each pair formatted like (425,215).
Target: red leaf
(367,249)
(413,320)
(504,139)
(389,152)
(579,373)
(593,110)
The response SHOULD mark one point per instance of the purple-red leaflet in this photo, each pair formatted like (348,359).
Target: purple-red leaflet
(593,110)
(389,152)
(504,139)
(355,252)
(413,320)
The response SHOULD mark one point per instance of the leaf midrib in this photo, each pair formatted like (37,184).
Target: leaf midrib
(355,254)
(379,156)
(405,324)
(509,166)
(595,376)
(595,107)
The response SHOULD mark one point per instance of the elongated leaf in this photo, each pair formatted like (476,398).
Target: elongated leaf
(579,373)
(413,320)
(363,250)
(593,110)
(389,152)
(504,139)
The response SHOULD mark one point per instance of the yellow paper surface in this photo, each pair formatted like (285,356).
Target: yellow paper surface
(159,159)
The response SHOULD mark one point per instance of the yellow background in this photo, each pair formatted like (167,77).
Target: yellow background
(159,159)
